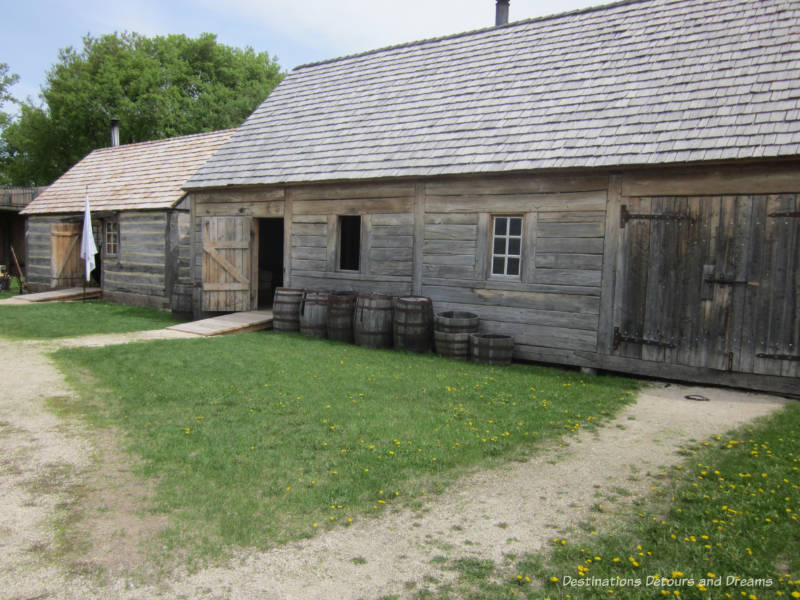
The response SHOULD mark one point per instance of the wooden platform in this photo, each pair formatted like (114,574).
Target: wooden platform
(75,293)
(238,322)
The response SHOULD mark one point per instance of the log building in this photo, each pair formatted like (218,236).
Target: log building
(617,187)
(140,218)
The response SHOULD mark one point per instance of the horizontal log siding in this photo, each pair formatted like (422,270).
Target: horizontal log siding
(387,238)
(139,267)
(552,310)
(38,266)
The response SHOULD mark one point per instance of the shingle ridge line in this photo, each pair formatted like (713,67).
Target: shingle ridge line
(174,138)
(422,42)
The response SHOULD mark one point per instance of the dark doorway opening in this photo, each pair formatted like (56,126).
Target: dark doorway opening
(96,276)
(350,242)
(270,259)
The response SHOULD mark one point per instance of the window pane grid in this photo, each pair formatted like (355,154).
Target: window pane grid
(507,246)
(112,239)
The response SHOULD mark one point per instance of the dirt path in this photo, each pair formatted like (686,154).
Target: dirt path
(515,509)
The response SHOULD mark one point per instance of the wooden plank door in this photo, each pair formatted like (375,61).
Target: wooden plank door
(772,310)
(66,266)
(228,282)
(710,282)
(654,279)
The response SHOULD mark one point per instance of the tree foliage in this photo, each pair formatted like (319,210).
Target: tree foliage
(7,79)
(157,87)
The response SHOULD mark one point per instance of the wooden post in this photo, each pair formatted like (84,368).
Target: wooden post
(20,277)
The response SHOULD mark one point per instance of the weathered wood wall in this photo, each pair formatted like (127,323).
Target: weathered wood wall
(585,277)
(38,270)
(139,267)
(702,277)
(241,203)
(151,267)
(178,259)
(387,237)
(553,308)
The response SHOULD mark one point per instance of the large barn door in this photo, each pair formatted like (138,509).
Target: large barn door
(710,282)
(773,309)
(66,267)
(227,264)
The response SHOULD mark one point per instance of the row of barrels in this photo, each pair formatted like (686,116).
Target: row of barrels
(380,321)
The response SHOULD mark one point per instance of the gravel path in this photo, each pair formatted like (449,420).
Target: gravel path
(514,509)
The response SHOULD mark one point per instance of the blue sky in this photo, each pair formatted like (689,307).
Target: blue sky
(294,31)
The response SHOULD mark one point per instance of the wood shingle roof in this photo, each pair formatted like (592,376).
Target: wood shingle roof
(142,176)
(634,83)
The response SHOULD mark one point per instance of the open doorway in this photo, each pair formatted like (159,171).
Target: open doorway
(96,276)
(270,259)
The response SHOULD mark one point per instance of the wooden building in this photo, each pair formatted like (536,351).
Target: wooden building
(140,217)
(12,224)
(617,188)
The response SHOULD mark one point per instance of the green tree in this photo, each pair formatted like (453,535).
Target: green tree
(157,87)
(7,79)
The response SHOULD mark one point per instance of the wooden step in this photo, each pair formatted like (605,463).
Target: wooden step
(239,322)
(74,293)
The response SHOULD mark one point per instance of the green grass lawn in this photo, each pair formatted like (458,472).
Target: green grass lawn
(724,524)
(64,319)
(261,438)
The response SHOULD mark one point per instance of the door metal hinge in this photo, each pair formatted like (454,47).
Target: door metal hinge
(723,281)
(620,338)
(791,215)
(791,357)
(625,216)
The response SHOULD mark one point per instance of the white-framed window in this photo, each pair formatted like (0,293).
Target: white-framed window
(350,243)
(506,246)
(111,238)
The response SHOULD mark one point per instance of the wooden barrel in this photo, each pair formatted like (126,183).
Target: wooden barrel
(372,321)
(452,345)
(314,314)
(454,321)
(491,349)
(452,330)
(413,324)
(341,306)
(286,309)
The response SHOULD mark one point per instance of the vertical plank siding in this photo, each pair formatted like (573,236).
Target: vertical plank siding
(713,285)
(699,281)
(227,268)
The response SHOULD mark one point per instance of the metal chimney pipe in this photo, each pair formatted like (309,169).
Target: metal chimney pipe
(114,132)
(501,13)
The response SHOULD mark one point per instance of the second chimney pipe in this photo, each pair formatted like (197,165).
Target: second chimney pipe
(114,132)
(501,13)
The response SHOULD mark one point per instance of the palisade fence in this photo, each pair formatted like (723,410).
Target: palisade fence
(18,197)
